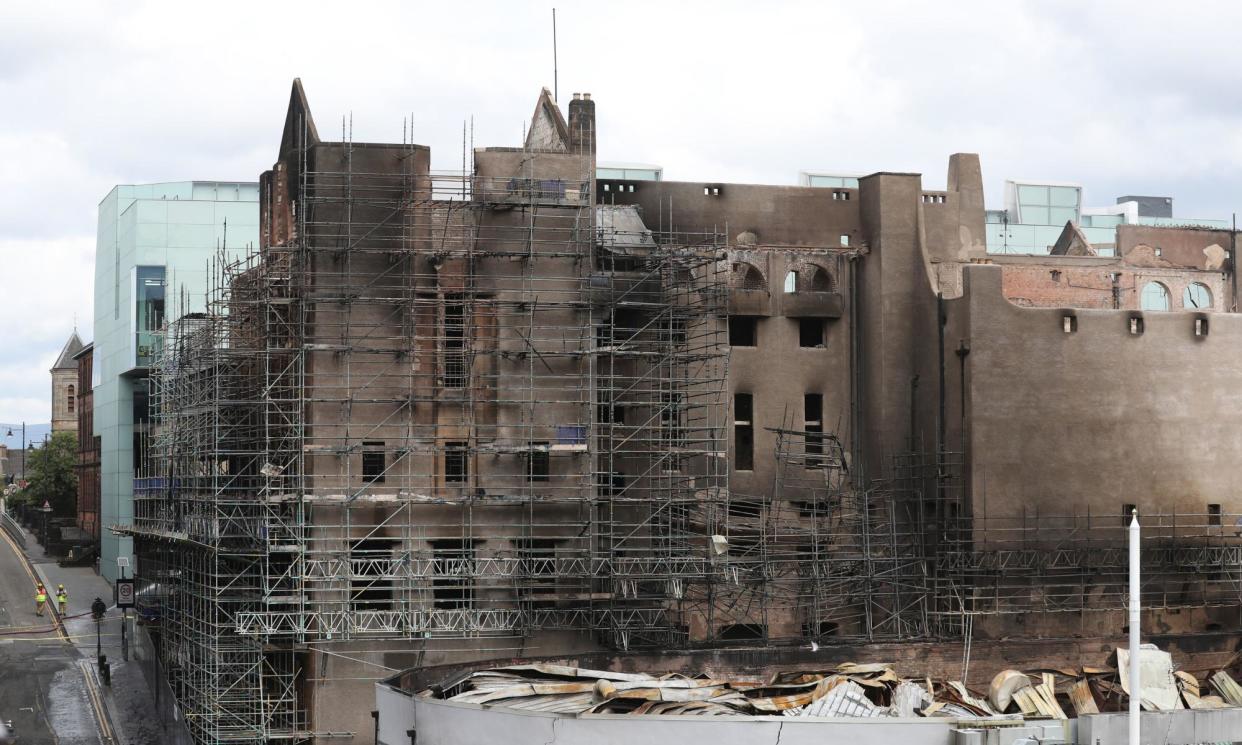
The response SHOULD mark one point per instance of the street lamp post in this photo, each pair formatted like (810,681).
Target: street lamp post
(10,434)
(46,509)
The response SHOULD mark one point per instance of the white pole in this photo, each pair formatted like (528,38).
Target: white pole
(1136,693)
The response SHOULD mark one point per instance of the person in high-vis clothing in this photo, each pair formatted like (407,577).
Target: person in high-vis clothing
(62,599)
(40,600)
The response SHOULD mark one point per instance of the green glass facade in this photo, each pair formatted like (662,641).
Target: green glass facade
(154,245)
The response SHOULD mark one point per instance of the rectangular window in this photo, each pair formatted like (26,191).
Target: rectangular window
(371,587)
(1127,512)
(811,332)
(743,331)
(456,464)
(452,585)
(148,312)
(609,413)
(743,432)
(538,462)
(373,462)
(1213,514)
(813,418)
(454,344)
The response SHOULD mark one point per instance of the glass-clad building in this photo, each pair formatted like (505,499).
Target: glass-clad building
(153,248)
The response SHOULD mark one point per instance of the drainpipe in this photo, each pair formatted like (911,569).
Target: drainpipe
(1136,692)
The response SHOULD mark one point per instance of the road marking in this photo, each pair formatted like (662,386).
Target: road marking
(92,690)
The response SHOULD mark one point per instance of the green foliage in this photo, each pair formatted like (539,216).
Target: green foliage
(50,471)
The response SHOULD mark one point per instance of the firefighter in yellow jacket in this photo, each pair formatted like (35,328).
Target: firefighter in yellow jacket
(40,599)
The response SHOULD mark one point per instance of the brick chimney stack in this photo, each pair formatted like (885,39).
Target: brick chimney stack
(582,124)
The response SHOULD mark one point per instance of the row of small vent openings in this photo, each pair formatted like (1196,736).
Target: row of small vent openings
(1069,324)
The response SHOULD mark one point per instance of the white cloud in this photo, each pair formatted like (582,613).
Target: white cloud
(1120,96)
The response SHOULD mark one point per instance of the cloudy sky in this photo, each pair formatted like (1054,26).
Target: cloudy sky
(1121,97)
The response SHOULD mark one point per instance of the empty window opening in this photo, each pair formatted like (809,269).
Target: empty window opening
(610,483)
(741,631)
(743,331)
(1055,274)
(821,280)
(609,412)
(1201,327)
(371,587)
(454,344)
(456,463)
(373,462)
(70,400)
(1159,251)
(1127,513)
(1155,297)
(452,584)
(811,332)
(538,462)
(791,281)
(1136,325)
(1214,514)
(1069,324)
(743,432)
(813,421)
(845,240)
(748,277)
(1197,296)
(745,508)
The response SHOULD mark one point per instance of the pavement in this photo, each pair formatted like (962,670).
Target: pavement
(71,704)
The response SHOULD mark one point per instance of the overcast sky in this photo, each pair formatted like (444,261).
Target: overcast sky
(1121,97)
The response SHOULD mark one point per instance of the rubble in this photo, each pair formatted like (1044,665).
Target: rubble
(848,690)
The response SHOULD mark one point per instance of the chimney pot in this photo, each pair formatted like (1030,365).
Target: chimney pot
(577,96)
(586,96)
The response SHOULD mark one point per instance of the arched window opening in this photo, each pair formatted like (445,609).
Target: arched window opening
(1155,297)
(821,280)
(1197,296)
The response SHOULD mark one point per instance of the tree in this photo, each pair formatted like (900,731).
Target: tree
(50,471)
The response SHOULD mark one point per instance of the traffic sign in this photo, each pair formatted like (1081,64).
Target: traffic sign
(125,593)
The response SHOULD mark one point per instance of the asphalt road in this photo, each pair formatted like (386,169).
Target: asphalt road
(47,687)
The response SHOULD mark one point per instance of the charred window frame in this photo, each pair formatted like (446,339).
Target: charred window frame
(743,432)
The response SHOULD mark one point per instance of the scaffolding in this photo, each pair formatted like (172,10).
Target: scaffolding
(451,405)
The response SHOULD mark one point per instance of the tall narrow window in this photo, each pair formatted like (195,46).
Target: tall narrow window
(1213,514)
(791,281)
(452,585)
(743,432)
(70,399)
(538,462)
(813,418)
(454,344)
(373,462)
(456,464)
(1127,512)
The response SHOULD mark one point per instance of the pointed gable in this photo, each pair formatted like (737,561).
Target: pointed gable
(297,120)
(1072,242)
(548,130)
(71,348)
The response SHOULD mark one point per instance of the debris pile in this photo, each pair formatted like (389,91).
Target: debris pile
(848,690)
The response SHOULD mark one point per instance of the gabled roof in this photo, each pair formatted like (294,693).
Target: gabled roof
(1072,242)
(548,130)
(71,348)
(298,119)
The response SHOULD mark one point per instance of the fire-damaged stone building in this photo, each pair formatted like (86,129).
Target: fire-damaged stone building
(522,410)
